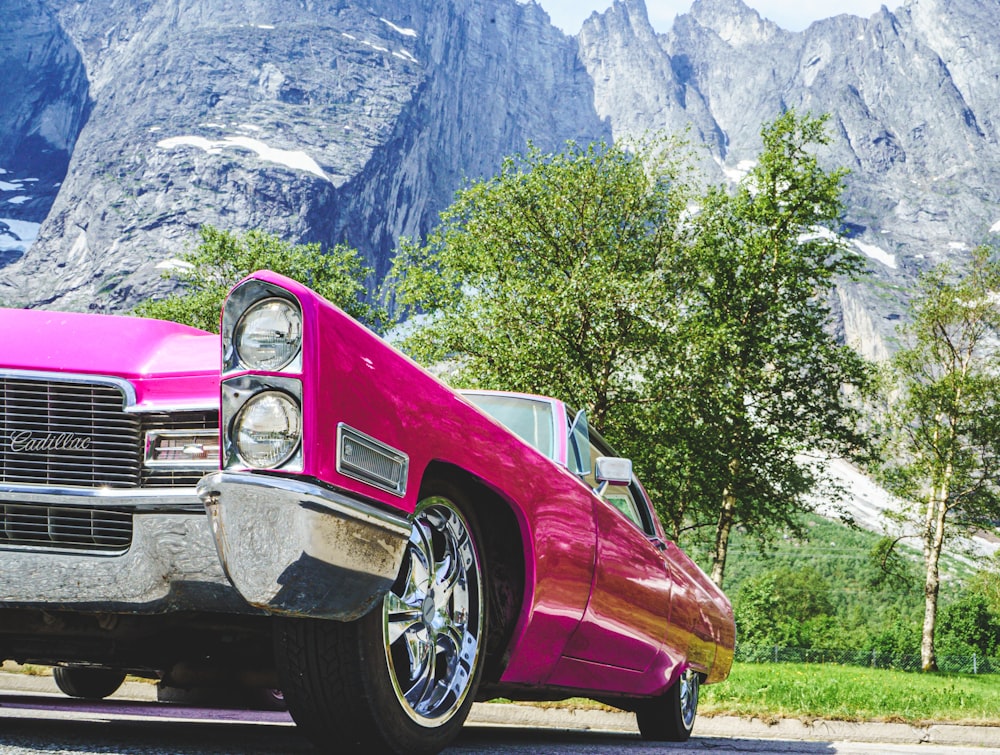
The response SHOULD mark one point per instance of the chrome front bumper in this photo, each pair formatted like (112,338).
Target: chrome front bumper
(292,547)
(170,565)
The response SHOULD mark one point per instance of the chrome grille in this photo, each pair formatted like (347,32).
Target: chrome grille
(65,528)
(66,433)
(175,477)
(76,432)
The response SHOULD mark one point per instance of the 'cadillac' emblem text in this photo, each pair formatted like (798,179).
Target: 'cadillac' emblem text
(26,441)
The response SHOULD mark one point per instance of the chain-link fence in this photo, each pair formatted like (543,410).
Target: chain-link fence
(960,664)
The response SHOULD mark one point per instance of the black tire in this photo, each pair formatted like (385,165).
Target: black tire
(375,685)
(86,682)
(193,697)
(670,718)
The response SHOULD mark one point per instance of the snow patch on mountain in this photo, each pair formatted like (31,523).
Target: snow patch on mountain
(17,235)
(867,504)
(735,174)
(174,264)
(399,29)
(876,253)
(294,159)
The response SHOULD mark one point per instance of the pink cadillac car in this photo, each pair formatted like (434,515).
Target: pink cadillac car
(381,548)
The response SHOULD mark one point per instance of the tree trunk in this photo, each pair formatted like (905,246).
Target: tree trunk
(727,514)
(722,531)
(933,544)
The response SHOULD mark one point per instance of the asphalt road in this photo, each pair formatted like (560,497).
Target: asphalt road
(44,723)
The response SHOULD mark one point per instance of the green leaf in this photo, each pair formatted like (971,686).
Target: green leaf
(223,258)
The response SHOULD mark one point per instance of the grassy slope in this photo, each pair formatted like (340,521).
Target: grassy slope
(840,553)
(808,691)
(842,557)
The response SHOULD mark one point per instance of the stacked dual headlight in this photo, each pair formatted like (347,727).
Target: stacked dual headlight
(269,335)
(262,332)
(268,430)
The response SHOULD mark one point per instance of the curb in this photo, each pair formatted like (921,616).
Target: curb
(732,727)
(949,735)
(593,719)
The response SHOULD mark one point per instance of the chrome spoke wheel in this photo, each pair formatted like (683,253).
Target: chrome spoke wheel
(688,697)
(670,717)
(432,619)
(402,678)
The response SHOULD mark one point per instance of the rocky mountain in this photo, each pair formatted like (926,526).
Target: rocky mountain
(44,108)
(912,94)
(317,120)
(129,123)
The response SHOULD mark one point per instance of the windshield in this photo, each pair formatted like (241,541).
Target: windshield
(530,419)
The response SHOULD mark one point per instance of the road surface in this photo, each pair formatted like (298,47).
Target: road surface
(44,723)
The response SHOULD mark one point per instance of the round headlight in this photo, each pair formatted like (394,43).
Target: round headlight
(267,430)
(269,334)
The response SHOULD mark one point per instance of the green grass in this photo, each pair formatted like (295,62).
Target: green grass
(821,691)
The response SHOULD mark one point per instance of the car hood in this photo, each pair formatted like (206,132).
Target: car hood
(168,363)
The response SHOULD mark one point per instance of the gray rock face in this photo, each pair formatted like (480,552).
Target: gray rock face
(44,105)
(913,97)
(319,121)
(331,120)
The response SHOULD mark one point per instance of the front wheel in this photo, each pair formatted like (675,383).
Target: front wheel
(402,678)
(86,682)
(670,718)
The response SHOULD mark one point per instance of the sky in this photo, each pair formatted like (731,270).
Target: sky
(793,15)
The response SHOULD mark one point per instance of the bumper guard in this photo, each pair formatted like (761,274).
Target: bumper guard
(292,547)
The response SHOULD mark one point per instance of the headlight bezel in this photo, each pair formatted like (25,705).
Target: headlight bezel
(290,413)
(244,300)
(243,341)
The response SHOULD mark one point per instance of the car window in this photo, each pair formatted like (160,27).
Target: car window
(626,498)
(528,418)
(621,498)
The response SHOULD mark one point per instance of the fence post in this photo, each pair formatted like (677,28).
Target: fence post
(974,665)
(775,653)
(873,657)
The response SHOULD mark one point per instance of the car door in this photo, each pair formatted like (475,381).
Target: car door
(629,608)
(693,613)
(627,617)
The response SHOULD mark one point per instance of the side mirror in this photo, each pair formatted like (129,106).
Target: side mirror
(612,470)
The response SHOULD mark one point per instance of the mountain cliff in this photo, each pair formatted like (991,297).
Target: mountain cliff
(912,96)
(318,121)
(44,106)
(327,120)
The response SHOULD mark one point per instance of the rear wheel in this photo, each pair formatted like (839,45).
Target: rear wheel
(86,682)
(670,718)
(402,678)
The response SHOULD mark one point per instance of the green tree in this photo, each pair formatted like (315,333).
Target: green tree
(760,380)
(223,258)
(783,607)
(967,626)
(697,342)
(943,410)
(550,277)
(986,582)
(897,642)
